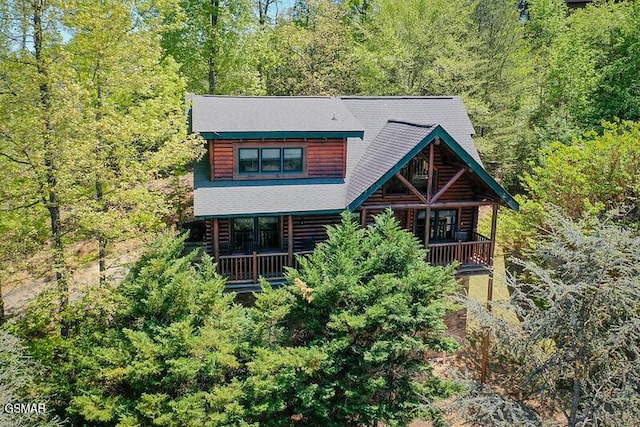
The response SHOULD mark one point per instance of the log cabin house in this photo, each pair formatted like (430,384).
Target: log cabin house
(279,169)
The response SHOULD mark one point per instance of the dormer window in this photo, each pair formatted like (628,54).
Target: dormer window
(270,160)
(292,160)
(248,160)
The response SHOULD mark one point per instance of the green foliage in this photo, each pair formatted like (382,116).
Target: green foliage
(344,344)
(215,44)
(597,172)
(590,65)
(18,375)
(164,347)
(312,54)
(363,311)
(575,345)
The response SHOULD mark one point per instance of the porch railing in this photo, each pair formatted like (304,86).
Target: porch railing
(471,253)
(271,265)
(248,268)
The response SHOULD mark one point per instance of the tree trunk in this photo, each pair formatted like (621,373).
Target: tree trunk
(575,400)
(102,239)
(213,53)
(577,386)
(51,198)
(2,316)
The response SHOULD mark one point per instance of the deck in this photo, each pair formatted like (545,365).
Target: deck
(472,256)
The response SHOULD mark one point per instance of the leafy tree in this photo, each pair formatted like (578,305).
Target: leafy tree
(360,316)
(594,174)
(213,41)
(416,47)
(312,52)
(17,377)
(164,347)
(501,102)
(40,119)
(574,345)
(590,67)
(134,128)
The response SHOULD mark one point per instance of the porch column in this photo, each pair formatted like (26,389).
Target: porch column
(363,218)
(427,225)
(216,240)
(485,341)
(427,216)
(290,240)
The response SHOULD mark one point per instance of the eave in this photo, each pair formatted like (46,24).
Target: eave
(283,134)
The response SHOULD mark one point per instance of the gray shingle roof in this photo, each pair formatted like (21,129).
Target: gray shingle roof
(394,141)
(265,200)
(446,111)
(392,127)
(271,114)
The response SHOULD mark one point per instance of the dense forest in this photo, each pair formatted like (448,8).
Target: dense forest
(94,141)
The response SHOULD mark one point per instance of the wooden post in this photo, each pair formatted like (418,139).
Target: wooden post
(459,251)
(363,218)
(427,226)
(427,215)
(254,267)
(485,341)
(212,175)
(216,240)
(290,241)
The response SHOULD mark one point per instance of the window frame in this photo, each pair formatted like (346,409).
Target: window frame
(256,235)
(266,174)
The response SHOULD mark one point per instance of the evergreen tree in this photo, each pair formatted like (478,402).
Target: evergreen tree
(164,347)
(574,344)
(17,377)
(360,317)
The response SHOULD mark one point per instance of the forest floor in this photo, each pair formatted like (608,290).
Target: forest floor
(23,287)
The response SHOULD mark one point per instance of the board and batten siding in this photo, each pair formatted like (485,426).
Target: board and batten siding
(324,158)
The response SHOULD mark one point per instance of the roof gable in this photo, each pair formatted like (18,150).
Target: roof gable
(404,150)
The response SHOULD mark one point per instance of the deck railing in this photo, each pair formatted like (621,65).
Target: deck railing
(466,253)
(248,268)
(271,265)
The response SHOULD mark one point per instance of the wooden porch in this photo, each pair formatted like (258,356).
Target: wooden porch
(471,256)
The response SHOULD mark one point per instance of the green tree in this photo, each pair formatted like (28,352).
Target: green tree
(591,68)
(164,347)
(598,172)
(502,98)
(360,316)
(311,53)
(213,41)
(17,377)
(40,120)
(574,344)
(134,129)
(416,47)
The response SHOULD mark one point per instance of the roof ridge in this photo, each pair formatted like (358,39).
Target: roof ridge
(267,96)
(405,122)
(398,97)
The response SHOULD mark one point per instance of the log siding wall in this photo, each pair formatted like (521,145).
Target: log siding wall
(323,158)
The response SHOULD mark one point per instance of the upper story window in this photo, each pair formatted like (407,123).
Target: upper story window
(417,173)
(270,160)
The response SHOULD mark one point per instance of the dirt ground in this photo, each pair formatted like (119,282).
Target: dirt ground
(19,290)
